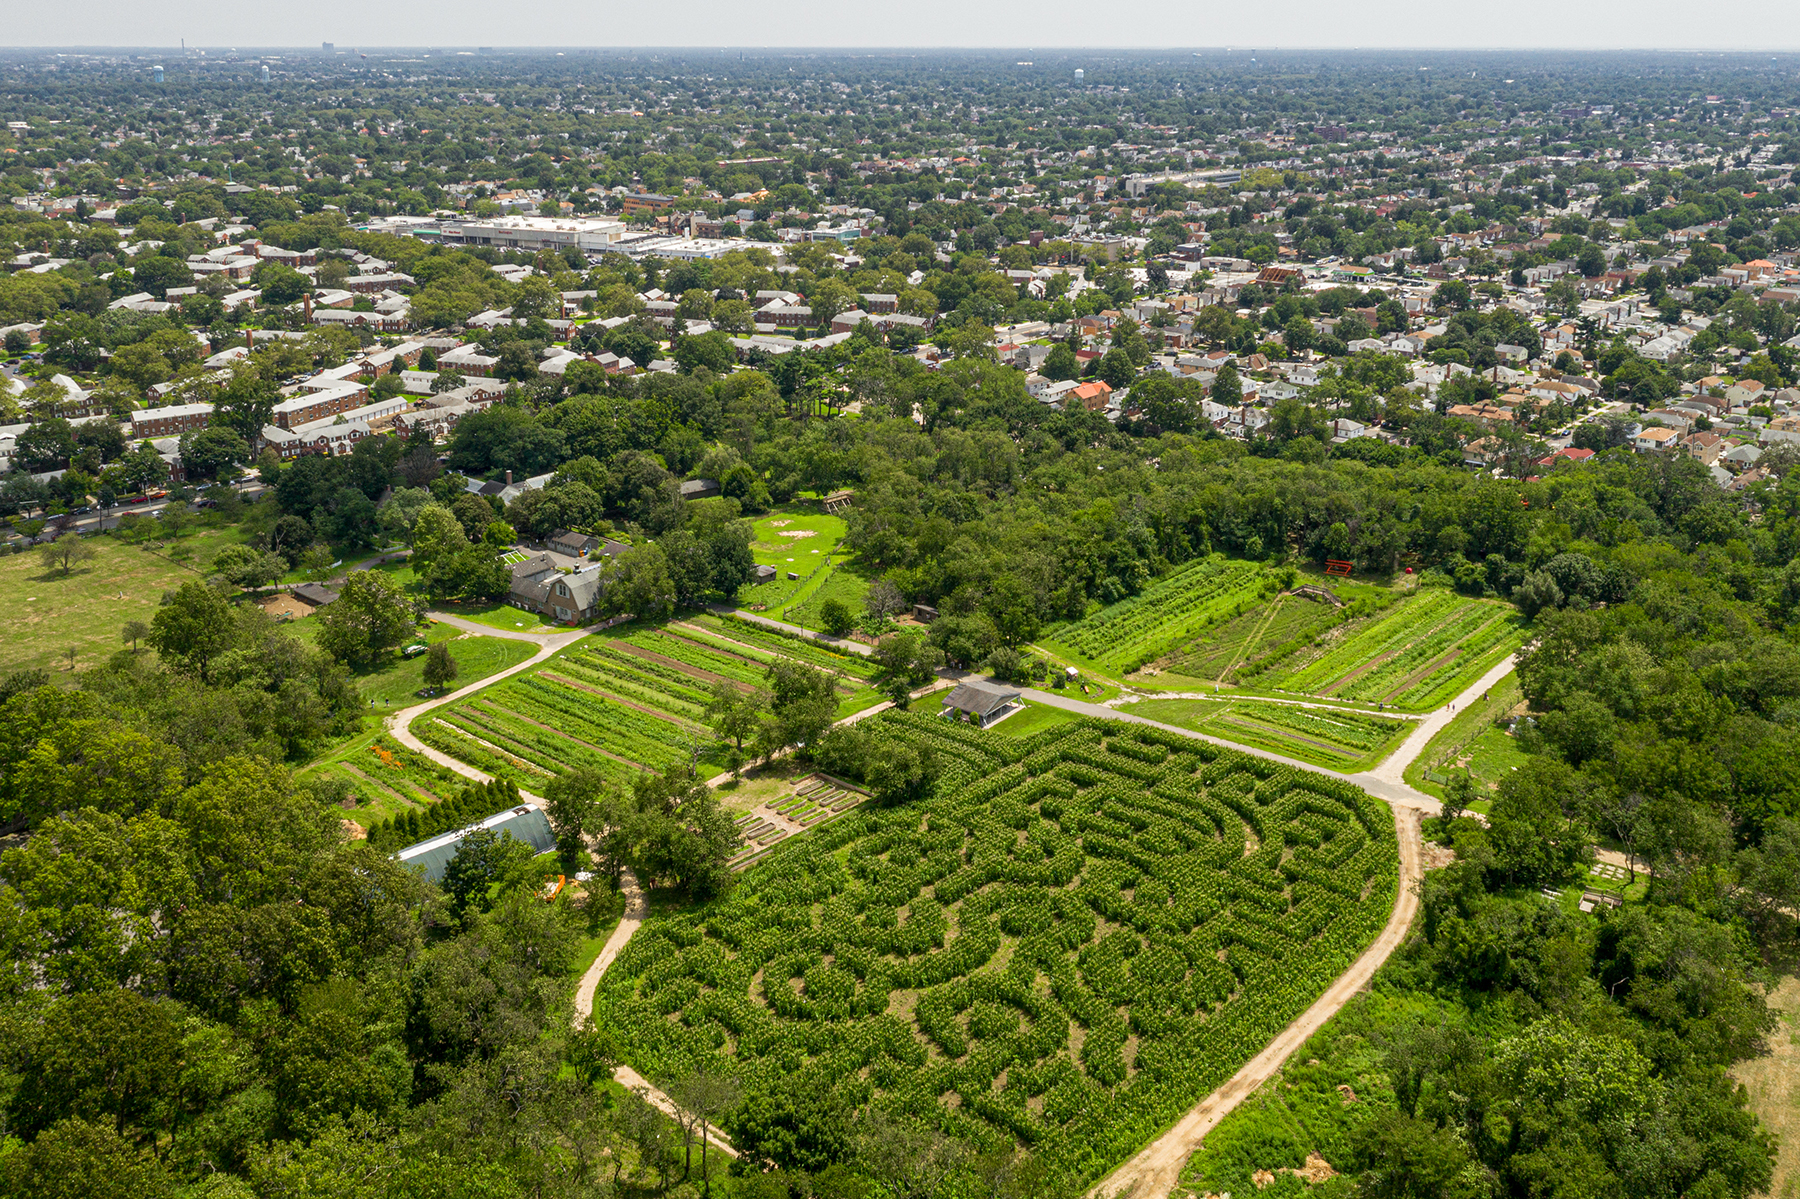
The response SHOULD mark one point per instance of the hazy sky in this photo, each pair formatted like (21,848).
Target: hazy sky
(1750,25)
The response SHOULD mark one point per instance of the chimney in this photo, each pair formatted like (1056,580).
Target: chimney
(509,478)
(249,339)
(307,300)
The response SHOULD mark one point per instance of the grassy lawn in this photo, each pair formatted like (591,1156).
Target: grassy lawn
(43,612)
(399,681)
(1035,718)
(765,782)
(1343,740)
(800,540)
(1471,741)
(500,616)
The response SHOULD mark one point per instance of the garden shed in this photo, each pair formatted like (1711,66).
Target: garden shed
(983,703)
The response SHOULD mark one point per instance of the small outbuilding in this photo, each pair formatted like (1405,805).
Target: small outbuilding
(982,703)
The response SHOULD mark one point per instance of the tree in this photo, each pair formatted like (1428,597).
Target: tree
(576,803)
(1227,387)
(483,858)
(733,714)
(370,617)
(1402,1157)
(836,618)
(803,700)
(192,627)
(280,284)
(899,773)
(1061,364)
(1297,335)
(134,631)
(883,599)
(77,1159)
(46,445)
(440,666)
(701,1099)
(1116,368)
(212,451)
(640,583)
(66,552)
(250,569)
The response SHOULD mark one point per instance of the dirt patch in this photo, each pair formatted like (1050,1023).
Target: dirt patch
(353,830)
(1438,856)
(798,534)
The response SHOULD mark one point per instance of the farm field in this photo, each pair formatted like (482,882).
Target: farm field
(1083,933)
(1414,656)
(385,778)
(1170,612)
(1239,650)
(1337,739)
(624,702)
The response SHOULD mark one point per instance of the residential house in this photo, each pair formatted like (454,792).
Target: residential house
(1656,440)
(574,598)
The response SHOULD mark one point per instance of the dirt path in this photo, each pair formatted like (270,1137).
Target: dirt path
(398,723)
(1156,1168)
(637,906)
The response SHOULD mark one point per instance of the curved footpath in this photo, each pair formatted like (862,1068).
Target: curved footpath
(399,723)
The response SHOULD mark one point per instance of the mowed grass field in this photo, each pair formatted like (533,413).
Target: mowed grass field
(1337,739)
(44,613)
(627,701)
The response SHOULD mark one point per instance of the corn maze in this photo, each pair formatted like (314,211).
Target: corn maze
(1086,931)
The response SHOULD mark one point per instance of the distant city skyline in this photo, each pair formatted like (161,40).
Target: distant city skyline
(1746,26)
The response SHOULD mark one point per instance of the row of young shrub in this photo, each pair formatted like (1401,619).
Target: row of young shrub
(473,803)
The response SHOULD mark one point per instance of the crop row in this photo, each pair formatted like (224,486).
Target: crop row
(679,649)
(1133,631)
(633,679)
(612,726)
(1351,729)
(1425,654)
(462,747)
(1151,952)
(1413,625)
(773,641)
